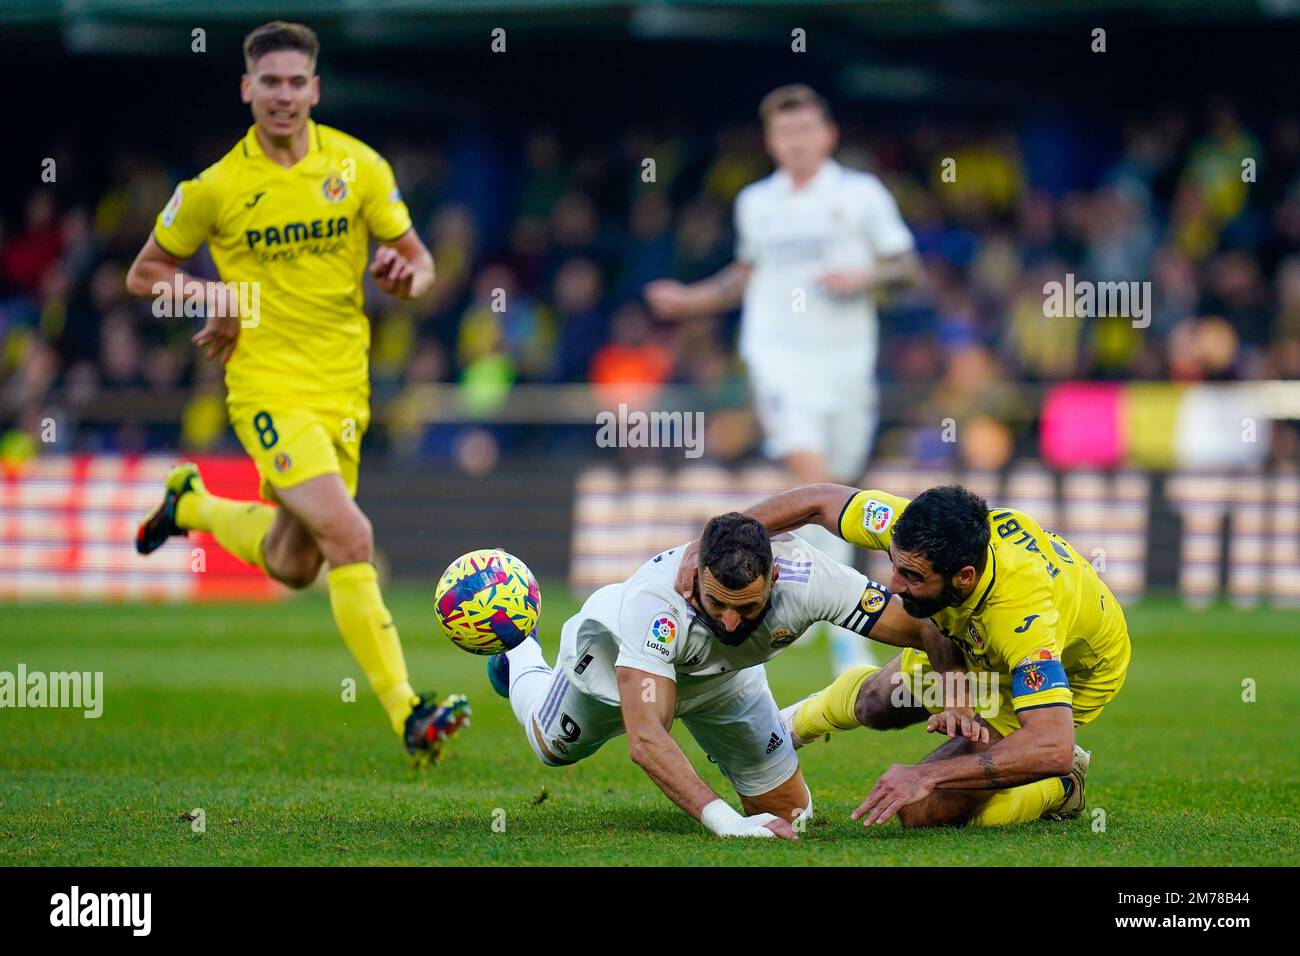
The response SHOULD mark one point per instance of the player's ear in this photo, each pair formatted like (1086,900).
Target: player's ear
(775,573)
(315,90)
(246,88)
(967,577)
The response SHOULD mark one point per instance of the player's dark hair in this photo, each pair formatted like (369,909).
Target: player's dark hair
(792,97)
(735,549)
(948,526)
(279,35)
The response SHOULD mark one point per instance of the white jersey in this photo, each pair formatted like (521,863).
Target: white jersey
(644,623)
(840,219)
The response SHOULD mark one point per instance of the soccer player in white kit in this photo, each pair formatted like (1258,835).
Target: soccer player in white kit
(814,240)
(638,654)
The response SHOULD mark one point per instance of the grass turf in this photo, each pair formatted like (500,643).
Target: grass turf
(238,710)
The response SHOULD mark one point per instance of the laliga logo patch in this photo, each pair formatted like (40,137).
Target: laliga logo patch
(172,208)
(876,516)
(282,462)
(663,631)
(334,188)
(872,601)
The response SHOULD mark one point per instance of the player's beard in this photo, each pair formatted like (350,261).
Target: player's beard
(743,630)
(929,607)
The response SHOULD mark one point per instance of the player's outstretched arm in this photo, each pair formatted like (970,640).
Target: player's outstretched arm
(808,504)
(649,702)
(1042,747)
(721,292)
(156,272)
(403,267)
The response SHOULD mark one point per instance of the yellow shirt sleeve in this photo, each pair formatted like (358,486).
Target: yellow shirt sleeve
(189,217)
(1021,635)
(867,519)
(382,206)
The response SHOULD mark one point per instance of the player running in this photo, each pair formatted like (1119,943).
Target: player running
(815,243)
(288,215)
(638,654)
(1019,602)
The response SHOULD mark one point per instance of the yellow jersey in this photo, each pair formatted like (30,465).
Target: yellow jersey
(298,237)
(1038,613)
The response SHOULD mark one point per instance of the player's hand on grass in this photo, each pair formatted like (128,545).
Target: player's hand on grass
(685,582)
(958,721)
(220,331)
(668,298)
(900,786)
(393,272)
(844,283)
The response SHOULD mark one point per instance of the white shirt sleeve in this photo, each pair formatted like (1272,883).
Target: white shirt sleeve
(846,597)
(745,250)
(651,631)
(887,234)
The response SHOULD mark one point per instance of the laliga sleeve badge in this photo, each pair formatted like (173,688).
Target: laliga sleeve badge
(876,516)
(172,208)
(661,634)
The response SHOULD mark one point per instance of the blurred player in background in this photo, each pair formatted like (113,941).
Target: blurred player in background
(288,214)
(814,241)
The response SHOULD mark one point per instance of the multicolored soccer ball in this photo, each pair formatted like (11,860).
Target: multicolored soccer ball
(488,601)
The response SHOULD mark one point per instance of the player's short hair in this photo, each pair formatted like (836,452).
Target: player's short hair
(735,549)
(948,526)
(793,96)
(279,35)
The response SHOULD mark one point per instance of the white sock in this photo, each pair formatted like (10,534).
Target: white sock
(530,676)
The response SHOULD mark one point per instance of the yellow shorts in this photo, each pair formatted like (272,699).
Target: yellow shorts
(1091,690)
(291,444)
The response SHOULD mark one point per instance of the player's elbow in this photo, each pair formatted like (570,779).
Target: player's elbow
(137,283)
(641,745)
(1061,757)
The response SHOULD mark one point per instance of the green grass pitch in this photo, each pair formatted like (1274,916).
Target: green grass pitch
(238,710)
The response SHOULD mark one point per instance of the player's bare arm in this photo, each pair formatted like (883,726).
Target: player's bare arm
(787,511)
(957,719)
(403,267)
(721,292)
(648,702)
(888,272)
(1042,747)
(155,271)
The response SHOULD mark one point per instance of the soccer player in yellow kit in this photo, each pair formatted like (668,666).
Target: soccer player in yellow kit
(1023,607)
(288,215)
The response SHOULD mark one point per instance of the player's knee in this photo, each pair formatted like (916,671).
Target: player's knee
(347,538)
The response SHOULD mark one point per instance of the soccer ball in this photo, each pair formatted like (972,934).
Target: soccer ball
(488,601)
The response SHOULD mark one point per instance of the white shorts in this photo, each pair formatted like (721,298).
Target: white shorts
(738,725)
(829,414)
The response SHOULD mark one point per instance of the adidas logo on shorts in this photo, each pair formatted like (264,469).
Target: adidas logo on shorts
(774,743)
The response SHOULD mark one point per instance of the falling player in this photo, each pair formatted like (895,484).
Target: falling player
(288,214)
(815,241)
(638,654)
(1022,605)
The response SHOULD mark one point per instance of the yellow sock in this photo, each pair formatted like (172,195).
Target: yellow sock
(239,526)
(371,636)
(832,708)
(1020,804)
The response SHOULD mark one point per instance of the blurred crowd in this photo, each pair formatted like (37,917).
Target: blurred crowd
(543,244)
